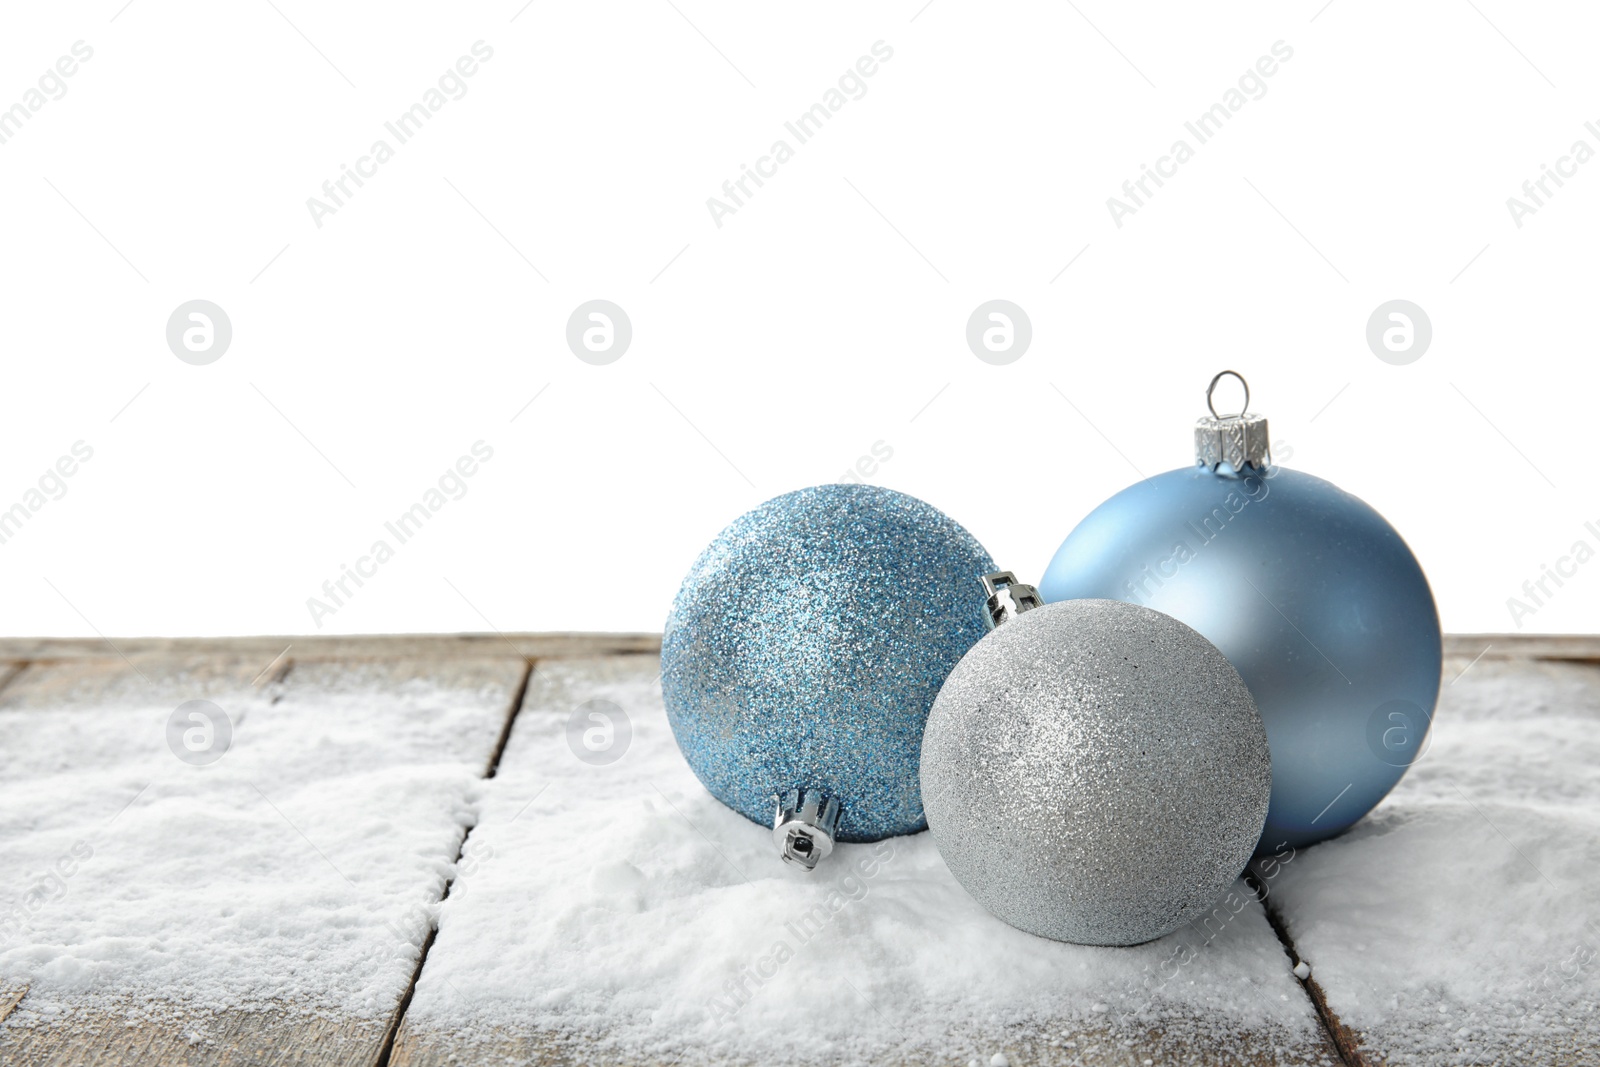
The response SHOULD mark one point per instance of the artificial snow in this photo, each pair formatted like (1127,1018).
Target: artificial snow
(625,910)
(619,911)
(300,871)
(1460,921)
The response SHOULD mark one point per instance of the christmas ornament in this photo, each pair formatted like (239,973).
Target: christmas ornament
(1312,596)
(802,655)
(1094,771)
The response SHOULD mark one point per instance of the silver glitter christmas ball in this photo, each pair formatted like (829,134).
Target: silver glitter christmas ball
(1095,772)
(807,644)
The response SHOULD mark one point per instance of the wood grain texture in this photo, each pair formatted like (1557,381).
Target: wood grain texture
(227,1039)
(9,999)
(1200,1044)
(321,647)
(9,671)
(566,645)
(1580,647)
(110,682)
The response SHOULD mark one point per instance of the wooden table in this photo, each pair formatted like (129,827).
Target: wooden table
(462,699)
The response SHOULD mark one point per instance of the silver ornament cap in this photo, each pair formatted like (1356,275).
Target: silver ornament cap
(804,826)
(1239,440)
(1096,772)
(1008,598)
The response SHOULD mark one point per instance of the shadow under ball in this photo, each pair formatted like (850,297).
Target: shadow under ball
(1312,596)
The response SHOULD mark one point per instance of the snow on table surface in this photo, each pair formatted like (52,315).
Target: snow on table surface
(617,913)
(621,910)
(297,872)
(1460,922)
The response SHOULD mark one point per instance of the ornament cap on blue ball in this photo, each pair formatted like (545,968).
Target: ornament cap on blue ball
(1309,592)
(804,651)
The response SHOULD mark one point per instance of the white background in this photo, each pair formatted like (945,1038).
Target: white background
(827,315)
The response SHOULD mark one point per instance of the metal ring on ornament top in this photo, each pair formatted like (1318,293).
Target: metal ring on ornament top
(1213,387)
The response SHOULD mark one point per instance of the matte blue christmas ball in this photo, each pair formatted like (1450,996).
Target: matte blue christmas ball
(1313,597)
(807,645)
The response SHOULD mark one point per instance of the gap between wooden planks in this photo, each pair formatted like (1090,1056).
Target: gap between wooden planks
(90,681)
(374,1042)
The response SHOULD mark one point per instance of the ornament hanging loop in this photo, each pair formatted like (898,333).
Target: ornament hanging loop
(1213,388)
(1233,441)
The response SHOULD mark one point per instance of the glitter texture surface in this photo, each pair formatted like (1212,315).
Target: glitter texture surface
(1096,772)
(806,647)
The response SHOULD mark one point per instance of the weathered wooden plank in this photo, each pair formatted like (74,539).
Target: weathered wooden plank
(1457,924)
(8,1000)
(562,646)
(325,831)
(1581,647)
(326,647)
(1193,1043)
(511,932)
(112,682)
(214,1039)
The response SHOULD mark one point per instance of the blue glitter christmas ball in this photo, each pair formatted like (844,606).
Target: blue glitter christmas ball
(807,645)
